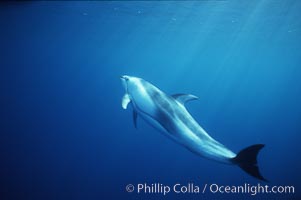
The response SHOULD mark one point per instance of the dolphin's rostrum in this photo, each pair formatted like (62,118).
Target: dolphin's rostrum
(169,115)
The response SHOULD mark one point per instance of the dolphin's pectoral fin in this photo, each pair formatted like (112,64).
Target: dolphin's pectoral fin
(183,98)
(135,118)
(125,101)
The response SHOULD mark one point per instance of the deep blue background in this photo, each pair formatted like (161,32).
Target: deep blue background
(64,134)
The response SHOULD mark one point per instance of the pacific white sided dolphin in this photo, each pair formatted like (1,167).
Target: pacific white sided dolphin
(169,115)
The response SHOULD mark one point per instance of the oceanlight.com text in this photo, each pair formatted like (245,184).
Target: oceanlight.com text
(192,188)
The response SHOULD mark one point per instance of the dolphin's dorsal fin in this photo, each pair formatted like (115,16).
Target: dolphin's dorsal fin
(125,101)
(135,118)
(183,98)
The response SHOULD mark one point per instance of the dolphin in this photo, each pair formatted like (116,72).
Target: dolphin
(168,115)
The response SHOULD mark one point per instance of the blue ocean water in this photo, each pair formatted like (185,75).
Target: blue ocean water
(64,134)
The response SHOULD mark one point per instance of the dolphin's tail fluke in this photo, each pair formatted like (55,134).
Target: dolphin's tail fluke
(246,159)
